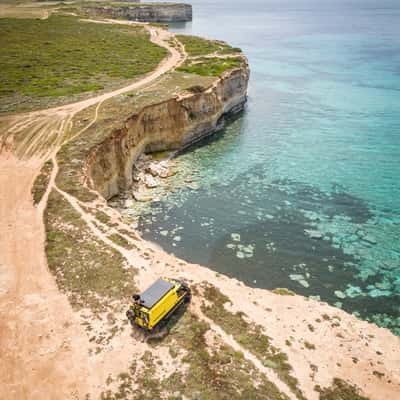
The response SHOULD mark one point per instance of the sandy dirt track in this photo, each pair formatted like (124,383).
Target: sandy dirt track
(43,349)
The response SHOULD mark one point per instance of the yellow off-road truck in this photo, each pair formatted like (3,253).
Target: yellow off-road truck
(156,304)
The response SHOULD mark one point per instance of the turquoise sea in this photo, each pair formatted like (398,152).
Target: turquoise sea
(303,189)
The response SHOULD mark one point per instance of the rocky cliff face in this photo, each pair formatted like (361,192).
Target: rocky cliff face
(169,125)
(168,12)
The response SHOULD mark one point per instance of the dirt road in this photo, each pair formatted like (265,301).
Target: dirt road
(43,348)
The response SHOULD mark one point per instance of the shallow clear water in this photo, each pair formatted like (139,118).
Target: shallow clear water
(302,190)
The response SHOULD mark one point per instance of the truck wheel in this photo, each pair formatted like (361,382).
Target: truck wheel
(187,298)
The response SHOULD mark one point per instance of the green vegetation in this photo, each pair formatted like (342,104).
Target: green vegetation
(102,217)
(250,336)
(213,66)
(90,272)
(339,390)
(309,345)
(41,182)
(197,46)
(196,89)
(283,292)
(64,56)
(120,241)
(216,372)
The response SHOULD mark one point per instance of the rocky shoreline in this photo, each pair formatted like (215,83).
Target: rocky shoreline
(170,125)
(158,12)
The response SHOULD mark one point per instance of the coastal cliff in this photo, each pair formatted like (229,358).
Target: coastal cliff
(169,125)
(159,12)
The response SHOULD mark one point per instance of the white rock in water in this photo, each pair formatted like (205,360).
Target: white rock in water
(353,291)
(160,169)
(314,234)
(230,246)
(150,182)
(340,294)
(177,238)
(240,254)
(235,237)
(296,277)
(193,186)
(304,283)
(141,197)
(128,203)
(164,233)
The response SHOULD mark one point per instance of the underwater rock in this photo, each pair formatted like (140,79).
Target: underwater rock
(164,233)
(300,279)
(385,285)
(235,237)
(193,186)
(340,294)
(158,169)
(296,277)
(240,254)
(304,283)
(354,291)
(314,234)
(138,196)
(150,182)
(128,203)
(379,293)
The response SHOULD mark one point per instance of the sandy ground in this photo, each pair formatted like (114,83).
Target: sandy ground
(44,349)
(38,358)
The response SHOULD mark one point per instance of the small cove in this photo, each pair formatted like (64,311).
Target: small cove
(301,191)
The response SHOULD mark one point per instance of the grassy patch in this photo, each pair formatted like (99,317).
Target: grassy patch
(62,56)
(283,292)
(103,217)
(213,66)
(90,272)
(339,390)
(250,336)
(41,182)
(120,241)
(218,373)
(309,346)
(197,46)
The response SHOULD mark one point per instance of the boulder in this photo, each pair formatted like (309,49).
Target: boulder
(150,182)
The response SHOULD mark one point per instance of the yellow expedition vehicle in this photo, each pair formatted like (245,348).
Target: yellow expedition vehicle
(158,302)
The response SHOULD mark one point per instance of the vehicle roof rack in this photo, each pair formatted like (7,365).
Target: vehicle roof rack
(155,293)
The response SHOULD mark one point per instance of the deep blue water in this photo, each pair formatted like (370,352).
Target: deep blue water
(303,189)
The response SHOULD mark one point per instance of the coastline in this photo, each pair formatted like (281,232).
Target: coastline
(308,344)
